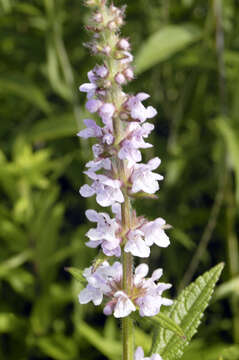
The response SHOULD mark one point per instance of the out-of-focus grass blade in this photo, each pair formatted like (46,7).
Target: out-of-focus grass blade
(109,348)
(6,5)
(231,137)
(228,288)
(15,261)
(22,87)
(165,43)
(54,128)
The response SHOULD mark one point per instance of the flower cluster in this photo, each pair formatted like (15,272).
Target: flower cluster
(117,176)
(106,280)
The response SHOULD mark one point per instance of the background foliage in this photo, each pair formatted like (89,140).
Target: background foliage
(187,57)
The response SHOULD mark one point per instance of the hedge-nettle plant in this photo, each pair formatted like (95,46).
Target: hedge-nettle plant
(118,176)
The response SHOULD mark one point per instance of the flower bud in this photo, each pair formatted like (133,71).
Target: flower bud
(123,44)
(106,50)
(123,116)
(120,78)
(129,74)
(112,25)
(119,20)
(98,18)
(101,71)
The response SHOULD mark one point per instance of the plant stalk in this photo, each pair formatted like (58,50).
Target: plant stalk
(127,262)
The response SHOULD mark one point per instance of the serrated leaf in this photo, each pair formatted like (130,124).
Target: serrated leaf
(187,312)
(76,273)
(166,323)
(162,320)
(164,43)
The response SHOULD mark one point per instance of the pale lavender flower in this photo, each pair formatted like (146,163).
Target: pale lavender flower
(124,306)
(101,71)
(139,355)
(105,234)
(89,88)
(143,179)
(93,105)
(106,280)
(150,299)
(137,109)
(106,112)
(106,189)
(99,163)
(90,293)
(129,147)
(136,245)
(92,130)
(154,233)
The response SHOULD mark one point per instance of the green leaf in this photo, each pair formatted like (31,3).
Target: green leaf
(19,85)
(187,312)
(162,320)
(164,44)
(76,273)
(166,323)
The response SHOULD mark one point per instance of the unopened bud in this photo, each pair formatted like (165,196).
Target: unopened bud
(119,20)
(107,84)
(129,74)
(120,79)
(123,44)
(123,116)
(112,25)
(97,17)
(101,71)
(106,50)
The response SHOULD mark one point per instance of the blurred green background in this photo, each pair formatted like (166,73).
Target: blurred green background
(187,58)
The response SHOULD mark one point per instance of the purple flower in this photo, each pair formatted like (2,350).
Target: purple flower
(92,130)
(136,245)
(124,306)
(89,88)
(106,281)
(105,234)
(101,71)
(143,179)
(134,141)
(149,299)
(106,112)
(107,190)
(93,105)
(154,233)
(137,109)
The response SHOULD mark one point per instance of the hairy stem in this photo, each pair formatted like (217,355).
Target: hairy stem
(127,261)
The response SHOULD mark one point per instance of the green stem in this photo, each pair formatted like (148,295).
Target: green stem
(127,263)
